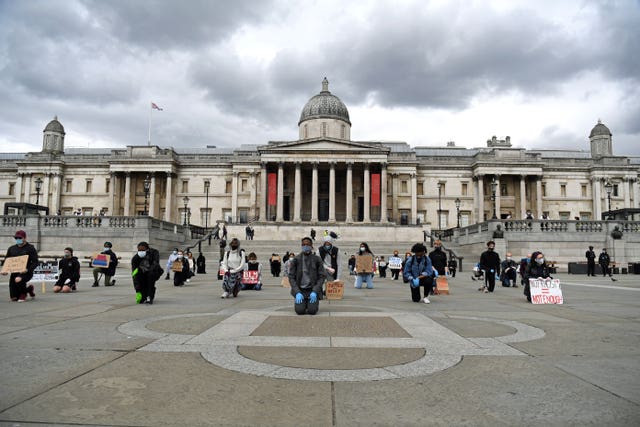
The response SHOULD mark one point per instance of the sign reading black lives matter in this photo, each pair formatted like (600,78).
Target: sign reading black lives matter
(545,291)
(45,272)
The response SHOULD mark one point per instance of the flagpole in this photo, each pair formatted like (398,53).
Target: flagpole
(150,110)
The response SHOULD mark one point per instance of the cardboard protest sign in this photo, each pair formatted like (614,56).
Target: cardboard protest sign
(100,260)
(285,282)
(15,264)
(250,277)
(442,285)
(176,266)
(364,264)
(335,289)
(545,291)
(45,272)
(395,262)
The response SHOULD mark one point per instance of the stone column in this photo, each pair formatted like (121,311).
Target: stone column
(111,206)
(152,195)
(168,213)
(498,195)
(332,192)
(523,196)
(383,193)
(297,196)
(597,198)
(480,198)
(539,196)
(20,178)
(46,190)
(314,193)
(394,196)
(127,194)
(27,188)
(414,200)
(234,198)
(627,198)
(636,193)
(264,190)
(349,195)
(252,195)
(280,201)
(367,194)
(55,200)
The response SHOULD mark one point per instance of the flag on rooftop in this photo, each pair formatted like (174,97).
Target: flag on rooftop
(155,107)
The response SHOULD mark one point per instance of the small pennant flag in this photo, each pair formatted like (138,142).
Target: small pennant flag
(155,107)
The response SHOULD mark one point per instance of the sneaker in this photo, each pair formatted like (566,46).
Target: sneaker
(486,290)
(149,301)
(224,294)
(22,299)
(112,283)
(95,285)
(426,300)
(614,280)
(30,291)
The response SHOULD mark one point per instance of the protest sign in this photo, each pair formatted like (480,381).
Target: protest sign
(15,264)
(100,260)
(395,263)
(545,291)
(45,272)
(364,264)
(176,266)
(335,289)
(442,285)
(250,277)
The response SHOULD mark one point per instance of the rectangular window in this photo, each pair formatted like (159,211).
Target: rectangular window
(544,190)
(615,190)
(107,185)
(583,190)
(68,186)
(465,219)
(420,189)
(503,189)
(585,216)
(563,190)
(443,188)
(185,186)
(444,216)
(404,187)
(564,216)
(12,188)
(465,189)
(243,185)
(227,187)
(88,186)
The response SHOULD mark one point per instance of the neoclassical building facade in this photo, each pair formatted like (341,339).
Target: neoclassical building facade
(325,177)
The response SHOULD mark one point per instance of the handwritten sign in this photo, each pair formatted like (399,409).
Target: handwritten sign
(250,277)
(335,289)
(364,264)
(545,291)
(45,272)
(15,264)
(442,285)
(176,266)
(395,263)
(100,260)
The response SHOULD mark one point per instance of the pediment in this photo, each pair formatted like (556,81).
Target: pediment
(323,145)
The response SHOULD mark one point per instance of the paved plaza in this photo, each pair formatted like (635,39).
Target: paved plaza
(372,358)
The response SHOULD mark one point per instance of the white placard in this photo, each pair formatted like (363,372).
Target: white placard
(395,263)
(545,291)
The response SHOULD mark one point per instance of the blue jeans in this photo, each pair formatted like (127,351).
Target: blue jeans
(364,277)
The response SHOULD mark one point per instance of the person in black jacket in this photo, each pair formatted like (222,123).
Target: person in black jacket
(591,262)
(109,271)
(537,268)
(180,277)
(145,270)
(306,276)
(439,258)
(490,264)
(68,273)
(18,282)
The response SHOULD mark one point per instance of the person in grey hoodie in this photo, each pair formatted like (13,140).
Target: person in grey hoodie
(306,276)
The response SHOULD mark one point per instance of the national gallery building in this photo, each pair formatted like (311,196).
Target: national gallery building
(324,177)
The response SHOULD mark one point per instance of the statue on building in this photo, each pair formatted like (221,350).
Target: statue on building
(498,233)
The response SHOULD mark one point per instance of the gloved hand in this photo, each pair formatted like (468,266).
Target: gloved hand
(492,271)
(415,282)
(299,298)
(313,298)
(435,273)
(66,282)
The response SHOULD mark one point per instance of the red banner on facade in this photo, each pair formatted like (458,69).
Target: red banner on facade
(375,189)
(272,185)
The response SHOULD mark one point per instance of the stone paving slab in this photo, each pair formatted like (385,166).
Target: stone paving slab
(95,358)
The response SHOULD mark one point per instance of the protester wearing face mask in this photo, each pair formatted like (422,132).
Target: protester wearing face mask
(330,255)
(490,264)
(395,265)
(231,266)
(439,258)
(252,276)
(537,268)
(180,268)
(18,286)
(145,270)
(306,276)
(364,275)
(509,275)
(110,270)
(68,273)
(172,257)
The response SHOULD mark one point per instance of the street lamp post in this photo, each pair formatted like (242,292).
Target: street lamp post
(457,202)
(439,206)
(608,187)
(185,200)
(38,188)
(147,187)
(494,185)
(206,205)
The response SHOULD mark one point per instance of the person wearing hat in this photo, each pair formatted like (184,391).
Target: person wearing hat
(18,282)
(330,256)
(591,262)
(109,271)
(418,271)
(145,270)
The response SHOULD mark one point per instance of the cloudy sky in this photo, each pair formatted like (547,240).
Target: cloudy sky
(232,72)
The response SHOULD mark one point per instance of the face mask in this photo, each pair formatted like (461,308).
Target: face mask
(179,256)
(19,241)
(106,249)
(540,261)
(175,252)
(142,254)
(362,249)
(234,247)
(306,249)
(508,258)
(438,248)
(327,247)
(490,249)
(67,255)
